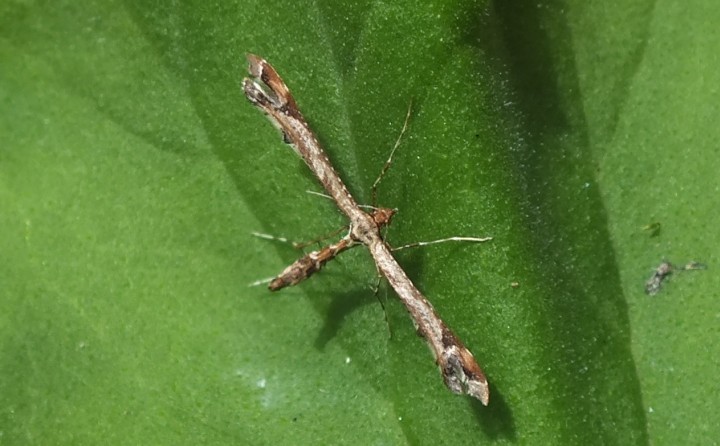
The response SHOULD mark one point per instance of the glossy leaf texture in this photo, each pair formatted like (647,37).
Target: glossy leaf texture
(133,171)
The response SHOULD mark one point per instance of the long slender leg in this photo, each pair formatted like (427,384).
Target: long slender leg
(443,240)
(387,164)
(376,293)
(299,245)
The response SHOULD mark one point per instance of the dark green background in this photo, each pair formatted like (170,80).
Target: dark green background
(132,171)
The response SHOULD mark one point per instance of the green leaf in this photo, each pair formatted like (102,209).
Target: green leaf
(133,171)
